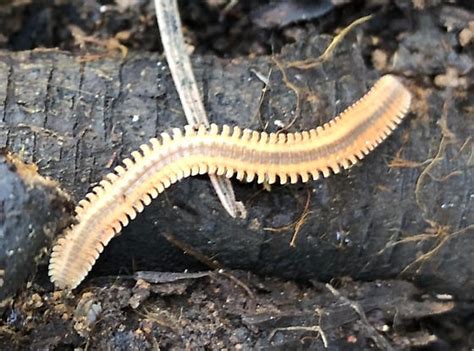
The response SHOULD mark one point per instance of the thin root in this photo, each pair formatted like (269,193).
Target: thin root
(311,63)
(298,224)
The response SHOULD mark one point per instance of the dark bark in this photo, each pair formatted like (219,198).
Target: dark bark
(77,120)
(31,211)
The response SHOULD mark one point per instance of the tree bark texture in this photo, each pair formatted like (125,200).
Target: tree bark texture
(32,210)
(76,119)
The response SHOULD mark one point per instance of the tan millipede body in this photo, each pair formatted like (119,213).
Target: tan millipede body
(226,151)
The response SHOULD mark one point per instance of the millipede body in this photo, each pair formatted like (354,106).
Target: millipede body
(247,154)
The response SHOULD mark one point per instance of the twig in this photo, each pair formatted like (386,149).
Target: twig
(381,342)
(228,8)
(266,81)
(167,277)
(191,251)
(169,24)
(209,262)
(316,329)
(238,282)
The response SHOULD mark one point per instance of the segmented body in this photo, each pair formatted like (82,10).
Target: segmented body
(227,151)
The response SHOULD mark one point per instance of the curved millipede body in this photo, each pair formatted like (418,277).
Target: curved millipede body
(226,151)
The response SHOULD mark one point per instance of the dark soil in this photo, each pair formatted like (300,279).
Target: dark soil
(227,309)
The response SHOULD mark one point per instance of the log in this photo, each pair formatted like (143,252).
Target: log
(32,211)
(405,210)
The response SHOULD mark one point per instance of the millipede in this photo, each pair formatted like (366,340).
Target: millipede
(246,154)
